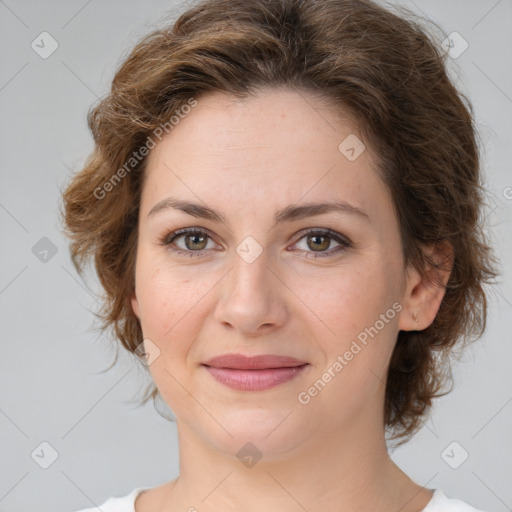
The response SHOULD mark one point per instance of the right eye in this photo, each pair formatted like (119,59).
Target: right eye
(195,241)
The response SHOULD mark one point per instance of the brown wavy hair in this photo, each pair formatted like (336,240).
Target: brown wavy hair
(382,67)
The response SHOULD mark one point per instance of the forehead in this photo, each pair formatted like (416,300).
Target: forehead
(280,146)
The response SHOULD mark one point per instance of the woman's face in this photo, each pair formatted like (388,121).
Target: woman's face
(261,276)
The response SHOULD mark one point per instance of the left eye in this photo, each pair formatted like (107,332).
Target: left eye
(320,240)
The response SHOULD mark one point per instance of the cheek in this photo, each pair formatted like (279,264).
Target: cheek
(162,297)
(174,303)
(359,313)
(355,296)
(170,320)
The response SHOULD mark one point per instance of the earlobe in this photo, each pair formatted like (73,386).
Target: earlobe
(423,295)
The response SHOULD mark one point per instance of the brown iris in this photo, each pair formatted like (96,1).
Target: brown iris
(325,244)
(195,237)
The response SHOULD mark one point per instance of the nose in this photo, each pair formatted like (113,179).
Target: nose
(253,297)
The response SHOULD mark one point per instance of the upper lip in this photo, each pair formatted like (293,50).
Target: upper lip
(241,362)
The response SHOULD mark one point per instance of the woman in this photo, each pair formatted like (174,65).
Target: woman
(283,206)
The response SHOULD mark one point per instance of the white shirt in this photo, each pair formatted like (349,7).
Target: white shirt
(439,503)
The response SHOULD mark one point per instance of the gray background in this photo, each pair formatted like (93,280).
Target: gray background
(52,385)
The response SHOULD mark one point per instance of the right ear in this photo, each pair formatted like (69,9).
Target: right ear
(135,305)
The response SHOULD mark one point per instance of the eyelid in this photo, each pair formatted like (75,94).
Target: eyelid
(325,231)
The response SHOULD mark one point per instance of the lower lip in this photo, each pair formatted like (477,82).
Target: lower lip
(254,380)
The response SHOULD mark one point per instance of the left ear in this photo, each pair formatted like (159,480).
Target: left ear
(423,296)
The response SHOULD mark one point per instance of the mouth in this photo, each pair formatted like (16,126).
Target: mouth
(262,362)
(256,373)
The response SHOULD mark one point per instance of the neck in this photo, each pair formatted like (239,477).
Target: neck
(331,471)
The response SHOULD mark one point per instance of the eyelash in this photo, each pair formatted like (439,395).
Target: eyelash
(167,240)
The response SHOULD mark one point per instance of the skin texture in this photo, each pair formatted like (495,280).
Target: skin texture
(247,159)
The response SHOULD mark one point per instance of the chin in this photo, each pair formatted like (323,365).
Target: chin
(273,433)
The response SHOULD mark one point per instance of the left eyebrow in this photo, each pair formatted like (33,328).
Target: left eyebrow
(294,212)
(290,213)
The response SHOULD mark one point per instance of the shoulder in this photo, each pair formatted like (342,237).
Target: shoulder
(117,504)
(442,503)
